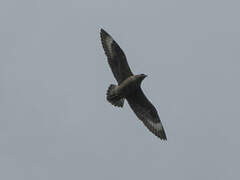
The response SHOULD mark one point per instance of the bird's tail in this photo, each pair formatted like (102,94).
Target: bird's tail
(114,98)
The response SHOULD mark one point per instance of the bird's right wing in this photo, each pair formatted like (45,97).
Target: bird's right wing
(147,113)
(116,57)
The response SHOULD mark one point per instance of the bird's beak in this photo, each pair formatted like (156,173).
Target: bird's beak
(145,76)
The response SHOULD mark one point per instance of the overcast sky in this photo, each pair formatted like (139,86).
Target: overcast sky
(55,123)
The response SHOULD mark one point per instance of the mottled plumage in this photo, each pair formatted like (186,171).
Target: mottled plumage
(129,87)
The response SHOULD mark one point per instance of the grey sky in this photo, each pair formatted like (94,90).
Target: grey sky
(55,122)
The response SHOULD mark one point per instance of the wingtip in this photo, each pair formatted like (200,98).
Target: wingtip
(163,136)
(164,139)
(103,33)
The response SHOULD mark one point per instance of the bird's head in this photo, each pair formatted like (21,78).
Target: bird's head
(140,77)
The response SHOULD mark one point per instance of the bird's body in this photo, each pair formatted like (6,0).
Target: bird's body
(129,87)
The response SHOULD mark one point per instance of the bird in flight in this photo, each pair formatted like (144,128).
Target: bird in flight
(129,87)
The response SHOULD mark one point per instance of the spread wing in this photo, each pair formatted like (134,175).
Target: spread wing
(116,57)
(147,113)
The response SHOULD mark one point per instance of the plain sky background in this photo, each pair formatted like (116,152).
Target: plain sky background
(55,123)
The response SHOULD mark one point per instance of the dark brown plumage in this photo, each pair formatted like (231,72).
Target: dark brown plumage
(129,87)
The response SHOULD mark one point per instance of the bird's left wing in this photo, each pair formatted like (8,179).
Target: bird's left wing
(147,113)
(116,57)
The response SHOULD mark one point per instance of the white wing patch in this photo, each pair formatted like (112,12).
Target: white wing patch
(158,126)
(109,41)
